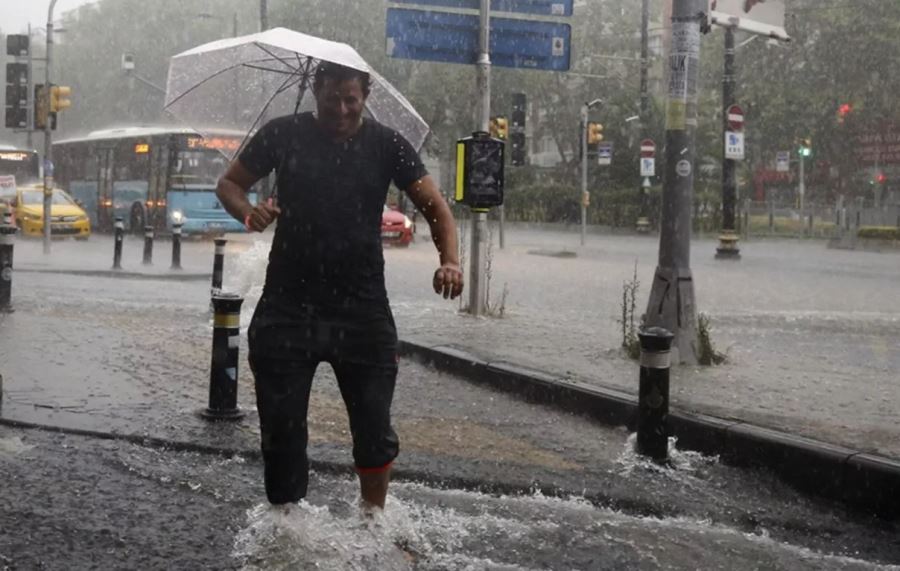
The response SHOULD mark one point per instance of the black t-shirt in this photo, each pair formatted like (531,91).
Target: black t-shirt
(327,245)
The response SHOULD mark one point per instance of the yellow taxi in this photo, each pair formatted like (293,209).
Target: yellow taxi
(66,217)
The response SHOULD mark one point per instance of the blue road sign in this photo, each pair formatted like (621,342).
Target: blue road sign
(453,38)
(540,7)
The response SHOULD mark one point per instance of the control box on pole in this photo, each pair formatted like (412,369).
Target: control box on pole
(480,163)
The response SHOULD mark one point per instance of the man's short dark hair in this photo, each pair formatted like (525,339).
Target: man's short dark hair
(336,72)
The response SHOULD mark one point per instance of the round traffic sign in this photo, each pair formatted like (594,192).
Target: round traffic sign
(735,118)
(648,148)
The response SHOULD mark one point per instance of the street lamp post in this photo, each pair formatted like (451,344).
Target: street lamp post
(584,162)
(48,153)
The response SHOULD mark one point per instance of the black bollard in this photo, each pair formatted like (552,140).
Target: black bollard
(218,264)
(148,245)
(176,246)
(653,394)
(119,238)
(223,374)
(7,231)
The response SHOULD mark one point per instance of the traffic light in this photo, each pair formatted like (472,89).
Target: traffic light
(519,153)
(843,111)
(499,127)
(59,97)
(16,96)
(594,133)
(879,178)
(805,147)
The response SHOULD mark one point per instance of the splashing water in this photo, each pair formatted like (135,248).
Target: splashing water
(246,277)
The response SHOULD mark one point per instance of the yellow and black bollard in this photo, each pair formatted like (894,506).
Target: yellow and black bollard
(119,238)
(223,374)
(176,246)
(148,245)
(653,394)
(218,264)
(7,231)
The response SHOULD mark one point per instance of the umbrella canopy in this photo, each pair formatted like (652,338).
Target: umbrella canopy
(238,83)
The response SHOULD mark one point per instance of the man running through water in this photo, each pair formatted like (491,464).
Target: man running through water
(324,297)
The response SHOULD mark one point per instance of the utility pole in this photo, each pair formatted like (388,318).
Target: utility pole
(672,304)
(728,238)
(48,132)
(263,16)
(585,115)
(30,111)
(643,222)
(802,190)
(479,218)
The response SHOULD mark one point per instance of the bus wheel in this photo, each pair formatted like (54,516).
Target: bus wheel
(137,220)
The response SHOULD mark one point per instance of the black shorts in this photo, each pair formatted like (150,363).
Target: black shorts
(284,375)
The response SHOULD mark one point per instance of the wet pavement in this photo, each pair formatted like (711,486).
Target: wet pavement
(131,357)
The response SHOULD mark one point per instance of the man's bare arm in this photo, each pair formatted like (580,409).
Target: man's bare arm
(232,192)
(448,279)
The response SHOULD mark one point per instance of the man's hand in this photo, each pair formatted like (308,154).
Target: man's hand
(448,281)
(261,215)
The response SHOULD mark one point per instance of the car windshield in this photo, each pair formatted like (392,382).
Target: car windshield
(31,197)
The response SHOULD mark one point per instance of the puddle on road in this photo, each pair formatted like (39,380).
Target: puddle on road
(430,529)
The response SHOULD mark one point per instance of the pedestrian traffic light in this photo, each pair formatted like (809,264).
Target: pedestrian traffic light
(499,127)
(16,96)
(805,147)
(59,97)
(479,171)
(595,133)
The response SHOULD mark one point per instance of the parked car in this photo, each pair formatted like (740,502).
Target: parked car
(396,228)
(66,217)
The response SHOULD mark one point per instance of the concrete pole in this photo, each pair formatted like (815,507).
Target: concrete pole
(671,303)
(584,169)
(728,238)
(643,222)
(48,132)
(479,218)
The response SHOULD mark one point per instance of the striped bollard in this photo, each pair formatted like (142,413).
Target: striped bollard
(218,264)
(7,231)
(148,245)
(176,246)
(119,238)
(653,394)
(223,374)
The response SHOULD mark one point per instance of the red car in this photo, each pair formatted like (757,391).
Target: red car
(396,228)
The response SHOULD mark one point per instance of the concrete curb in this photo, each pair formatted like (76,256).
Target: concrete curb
(120,274)
(864,481)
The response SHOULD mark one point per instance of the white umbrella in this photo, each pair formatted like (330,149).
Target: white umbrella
(236,82)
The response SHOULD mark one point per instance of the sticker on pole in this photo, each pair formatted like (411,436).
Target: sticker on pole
(734,146)
(683,168)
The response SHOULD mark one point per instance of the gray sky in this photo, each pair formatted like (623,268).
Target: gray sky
(16,14)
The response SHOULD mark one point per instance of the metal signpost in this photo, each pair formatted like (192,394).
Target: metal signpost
(423,31)
(764,18)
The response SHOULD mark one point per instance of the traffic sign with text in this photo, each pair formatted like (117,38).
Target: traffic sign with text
(734,145)
(539,7)
(453,38)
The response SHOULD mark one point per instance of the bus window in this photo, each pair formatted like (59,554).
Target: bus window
(24,165)
(201,167)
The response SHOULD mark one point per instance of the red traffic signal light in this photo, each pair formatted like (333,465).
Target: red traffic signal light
(880,178)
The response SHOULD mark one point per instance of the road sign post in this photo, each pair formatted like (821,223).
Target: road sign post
(648,170)
(733,126)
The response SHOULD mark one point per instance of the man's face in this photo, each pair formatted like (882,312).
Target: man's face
(340,106)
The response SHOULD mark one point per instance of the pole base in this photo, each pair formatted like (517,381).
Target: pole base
(215,414)
(643,225)
(728,248)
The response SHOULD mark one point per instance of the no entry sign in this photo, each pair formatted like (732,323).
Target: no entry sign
(735,118)
(648,148)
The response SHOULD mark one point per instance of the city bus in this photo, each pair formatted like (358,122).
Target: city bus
(149,176)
